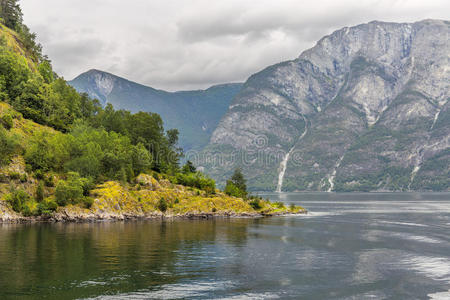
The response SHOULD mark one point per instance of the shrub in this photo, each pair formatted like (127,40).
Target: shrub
(30,208)
(47,206)
(279,204)
(40,192)
(65,193)
(162,205)
(255,204)
(17,199)
(73,190)
(49,181)
(8,146)
(197,180)
(7,121)
(24,178)
(122,175)
(4,178)
(292,206)
(88,202)
(39,174)
(234,191)
(14,176)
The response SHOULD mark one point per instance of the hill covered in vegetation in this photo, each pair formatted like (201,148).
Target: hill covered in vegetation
(63,153)
(195,113)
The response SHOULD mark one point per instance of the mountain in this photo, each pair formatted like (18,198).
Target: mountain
(365,109)
(194,113)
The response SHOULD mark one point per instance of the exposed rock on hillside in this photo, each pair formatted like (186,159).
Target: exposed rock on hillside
(375,100)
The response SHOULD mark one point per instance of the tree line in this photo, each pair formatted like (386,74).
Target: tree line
(90,144)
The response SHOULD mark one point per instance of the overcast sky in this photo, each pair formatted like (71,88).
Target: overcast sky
(187,44)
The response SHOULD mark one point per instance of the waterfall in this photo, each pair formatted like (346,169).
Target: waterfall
(436,116)
(413,175)
(333,174)
(283,164)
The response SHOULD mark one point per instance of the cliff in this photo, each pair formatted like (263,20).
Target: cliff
(366,109)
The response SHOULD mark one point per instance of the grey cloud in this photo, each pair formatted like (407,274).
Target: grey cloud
(184,44)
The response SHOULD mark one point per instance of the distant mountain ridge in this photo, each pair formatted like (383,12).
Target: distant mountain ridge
(366,109)
(194,113)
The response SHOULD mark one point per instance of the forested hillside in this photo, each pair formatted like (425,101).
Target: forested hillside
(195,113)
(60,148)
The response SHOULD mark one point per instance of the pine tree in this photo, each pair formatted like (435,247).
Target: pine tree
(238,180)
(189,168)
(237,186)
(11,13)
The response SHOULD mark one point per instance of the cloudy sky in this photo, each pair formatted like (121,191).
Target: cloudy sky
(187,44)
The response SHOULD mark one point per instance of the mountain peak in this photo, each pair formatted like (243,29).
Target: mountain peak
(194,113)
(96,83)
(365,109)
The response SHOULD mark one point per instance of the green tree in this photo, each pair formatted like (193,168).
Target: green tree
(39,196)
(8,146)
(13,71)
(189,168)
(172,137)
(237,186)
(238,180)
(7,121)
(72,190)
(17,199)
(141,159)
(162,205)
(29,102)
(46,71)
(11,13)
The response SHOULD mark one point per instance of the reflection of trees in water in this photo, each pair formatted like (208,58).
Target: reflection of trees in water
(36,258)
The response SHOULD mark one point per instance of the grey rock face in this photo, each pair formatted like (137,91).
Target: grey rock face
(375,99)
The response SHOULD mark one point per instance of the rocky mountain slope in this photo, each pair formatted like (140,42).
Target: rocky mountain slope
(365,109)
(195,113)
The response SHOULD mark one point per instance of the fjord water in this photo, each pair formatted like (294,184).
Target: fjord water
(350,246)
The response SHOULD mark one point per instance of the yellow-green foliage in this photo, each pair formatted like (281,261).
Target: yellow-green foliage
(14,43)
(15,172)
(122,199)
(23,128)
(114,198)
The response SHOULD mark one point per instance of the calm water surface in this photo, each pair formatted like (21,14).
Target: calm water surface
(350,246)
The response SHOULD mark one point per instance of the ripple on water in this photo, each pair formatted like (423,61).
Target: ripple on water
(252,296)
(436,268)
(175,291)
(403,223)
(440,296)
(414,238)
(317,214)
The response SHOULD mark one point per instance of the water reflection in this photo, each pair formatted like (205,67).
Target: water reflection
(350,246)
(63,257)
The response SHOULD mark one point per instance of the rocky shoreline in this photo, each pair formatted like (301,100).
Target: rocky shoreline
(115,202)
(67,216)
